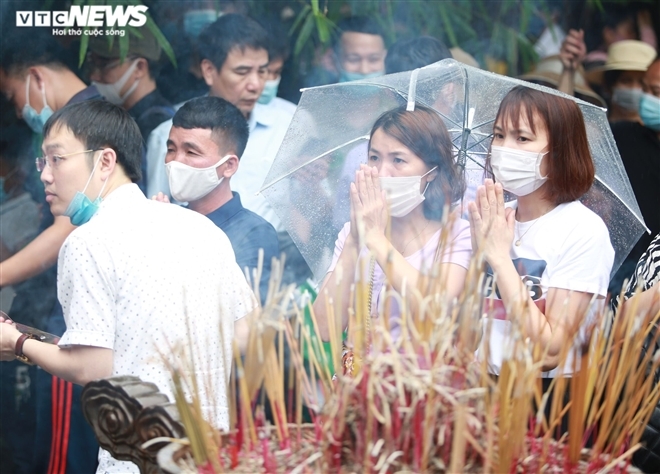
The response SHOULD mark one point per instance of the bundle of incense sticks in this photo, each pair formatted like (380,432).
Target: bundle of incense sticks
(423,402)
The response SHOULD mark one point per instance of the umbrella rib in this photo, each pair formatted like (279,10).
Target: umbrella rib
(363,137)
(641,221)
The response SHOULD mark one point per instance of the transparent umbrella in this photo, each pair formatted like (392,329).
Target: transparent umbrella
(308,182)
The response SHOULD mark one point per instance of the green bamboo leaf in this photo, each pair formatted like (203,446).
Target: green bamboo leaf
(299,19)
(449,28)
(305,33)
(525,15)
(597,3)
(123,47)
(84,43)
(465,27)
(512,53)
(315,7)
(162,41)
(322,28)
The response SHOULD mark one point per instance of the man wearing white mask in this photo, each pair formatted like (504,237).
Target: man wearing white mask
(207,139)
(234,62)
(131,84)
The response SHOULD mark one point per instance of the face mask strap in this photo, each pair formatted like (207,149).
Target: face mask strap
(92,174)
(124,78)
(43,95)
(222,161)
(27,89)
(432,169)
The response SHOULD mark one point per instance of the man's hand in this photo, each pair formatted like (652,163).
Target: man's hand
(8,337)
(161,197)
(573,50)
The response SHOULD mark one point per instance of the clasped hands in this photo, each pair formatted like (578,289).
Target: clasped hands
(369,211)
(573,50)
(491,224)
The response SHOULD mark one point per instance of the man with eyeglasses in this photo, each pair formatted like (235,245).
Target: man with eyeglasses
(131,83)
(35,78)
(137,278)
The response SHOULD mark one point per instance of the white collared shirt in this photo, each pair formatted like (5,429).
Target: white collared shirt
(142,277)
(268,125)
(157,180)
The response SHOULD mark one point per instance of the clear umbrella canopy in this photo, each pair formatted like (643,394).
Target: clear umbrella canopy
(327,140)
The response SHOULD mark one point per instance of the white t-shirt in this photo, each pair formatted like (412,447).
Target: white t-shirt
(567,248)
(142,277)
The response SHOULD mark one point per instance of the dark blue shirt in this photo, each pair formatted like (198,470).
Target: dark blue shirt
(248,233)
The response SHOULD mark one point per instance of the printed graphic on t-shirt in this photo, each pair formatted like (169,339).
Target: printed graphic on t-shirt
(530,272)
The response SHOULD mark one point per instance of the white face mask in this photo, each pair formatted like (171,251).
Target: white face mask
(518,171)
(403,193)
(188,184)
(112,92)
(627,98)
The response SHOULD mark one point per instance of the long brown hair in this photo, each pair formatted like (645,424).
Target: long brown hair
(570,166)
(424,133)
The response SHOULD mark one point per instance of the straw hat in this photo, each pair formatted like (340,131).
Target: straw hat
(464,57)
(626,55)
(549,70)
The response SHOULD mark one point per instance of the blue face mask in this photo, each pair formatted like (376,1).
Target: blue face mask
(81,209)
(649,111)
(194,21)
(346,76)
(270,91)
(35,120)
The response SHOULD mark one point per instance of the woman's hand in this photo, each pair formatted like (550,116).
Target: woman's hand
(368,205)
(491,224)
(573,50)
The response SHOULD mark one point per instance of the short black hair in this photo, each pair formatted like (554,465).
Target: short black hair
(278,44)
(359,24)
(228,32)
(100,124)
(223,118)
(23,48)
(406,55)
(610,78)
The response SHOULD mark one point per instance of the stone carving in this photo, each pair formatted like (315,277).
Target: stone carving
(124,413)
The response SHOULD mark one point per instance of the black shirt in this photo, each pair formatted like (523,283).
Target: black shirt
(639,148)
(248,233)
(150,111)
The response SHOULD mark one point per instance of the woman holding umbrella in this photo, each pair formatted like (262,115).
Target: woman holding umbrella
(548,253)
(410,177)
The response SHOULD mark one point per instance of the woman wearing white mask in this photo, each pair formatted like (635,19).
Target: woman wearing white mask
(411,175)
(549,254)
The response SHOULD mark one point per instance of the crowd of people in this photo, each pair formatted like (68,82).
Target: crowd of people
(141,227)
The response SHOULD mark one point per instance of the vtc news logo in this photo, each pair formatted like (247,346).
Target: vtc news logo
(85,16)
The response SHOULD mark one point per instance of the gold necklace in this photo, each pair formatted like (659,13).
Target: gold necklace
(420,233)
(519,241)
